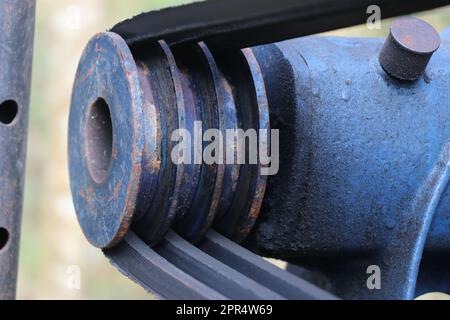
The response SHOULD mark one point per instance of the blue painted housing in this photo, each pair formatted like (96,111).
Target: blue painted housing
(364,166)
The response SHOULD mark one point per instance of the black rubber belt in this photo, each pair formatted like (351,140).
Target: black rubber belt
(225,24)
(175,269)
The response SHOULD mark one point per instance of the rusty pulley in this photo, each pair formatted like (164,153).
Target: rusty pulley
(126,106)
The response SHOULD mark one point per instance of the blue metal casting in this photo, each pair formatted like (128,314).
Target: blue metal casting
(364,167)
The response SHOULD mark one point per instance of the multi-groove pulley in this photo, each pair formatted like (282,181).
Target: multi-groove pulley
(127,106)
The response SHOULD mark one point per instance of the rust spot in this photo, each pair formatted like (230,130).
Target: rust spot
(407,39)
(99,48)
(87,74)
(117,190)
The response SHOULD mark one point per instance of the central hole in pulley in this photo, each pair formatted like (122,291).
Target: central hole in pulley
(99,136)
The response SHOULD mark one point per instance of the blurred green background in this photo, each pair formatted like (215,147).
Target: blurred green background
(52,244)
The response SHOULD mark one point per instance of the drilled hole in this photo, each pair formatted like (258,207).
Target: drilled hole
(4,237)
(99,136)
(8,111)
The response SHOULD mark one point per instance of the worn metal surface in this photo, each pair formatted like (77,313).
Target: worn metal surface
(126,106)
(225,24)
(161,87)
(244,74)
(105,188)
(408,48)
(364,165)
(16,47)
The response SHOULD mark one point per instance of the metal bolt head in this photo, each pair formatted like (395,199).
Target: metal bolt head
(408,48)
